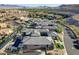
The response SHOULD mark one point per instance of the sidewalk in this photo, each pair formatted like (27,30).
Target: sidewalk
(64,44)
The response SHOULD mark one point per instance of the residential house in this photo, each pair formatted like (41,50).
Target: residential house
(33,43)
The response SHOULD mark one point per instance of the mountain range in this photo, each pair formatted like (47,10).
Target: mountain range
(10,6)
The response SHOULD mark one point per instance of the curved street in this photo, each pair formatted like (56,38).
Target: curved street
(68,41)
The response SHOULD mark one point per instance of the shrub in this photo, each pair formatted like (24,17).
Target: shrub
(59,45)
(58,38)
(58,30)
(1,41)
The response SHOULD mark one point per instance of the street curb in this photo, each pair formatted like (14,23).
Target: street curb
(64,45)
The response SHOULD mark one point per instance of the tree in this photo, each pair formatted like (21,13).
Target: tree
(1,41)
(20,28)
(8,26)
(29,15)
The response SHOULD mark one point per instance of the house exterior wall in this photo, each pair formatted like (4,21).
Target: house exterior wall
(27,48)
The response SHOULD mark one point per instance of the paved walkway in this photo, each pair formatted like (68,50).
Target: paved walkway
(65,52)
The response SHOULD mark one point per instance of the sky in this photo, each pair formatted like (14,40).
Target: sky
(39,1)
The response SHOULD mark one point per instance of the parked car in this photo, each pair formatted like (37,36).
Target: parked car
(76,42)
(76,46)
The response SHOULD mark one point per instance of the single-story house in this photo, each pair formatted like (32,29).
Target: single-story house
(49,27)
(31,43)
(35,32)
(27,32)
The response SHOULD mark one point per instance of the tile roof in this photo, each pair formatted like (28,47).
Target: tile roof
(37,41)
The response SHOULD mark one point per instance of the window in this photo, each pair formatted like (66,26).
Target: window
(43,33)
(50,24)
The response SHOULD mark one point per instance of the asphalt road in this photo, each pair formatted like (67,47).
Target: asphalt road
(71,50)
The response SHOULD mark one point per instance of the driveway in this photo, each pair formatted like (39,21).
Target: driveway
(69,44)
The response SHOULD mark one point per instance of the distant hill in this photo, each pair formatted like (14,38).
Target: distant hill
(10,6)
(71,8)
(71,5)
